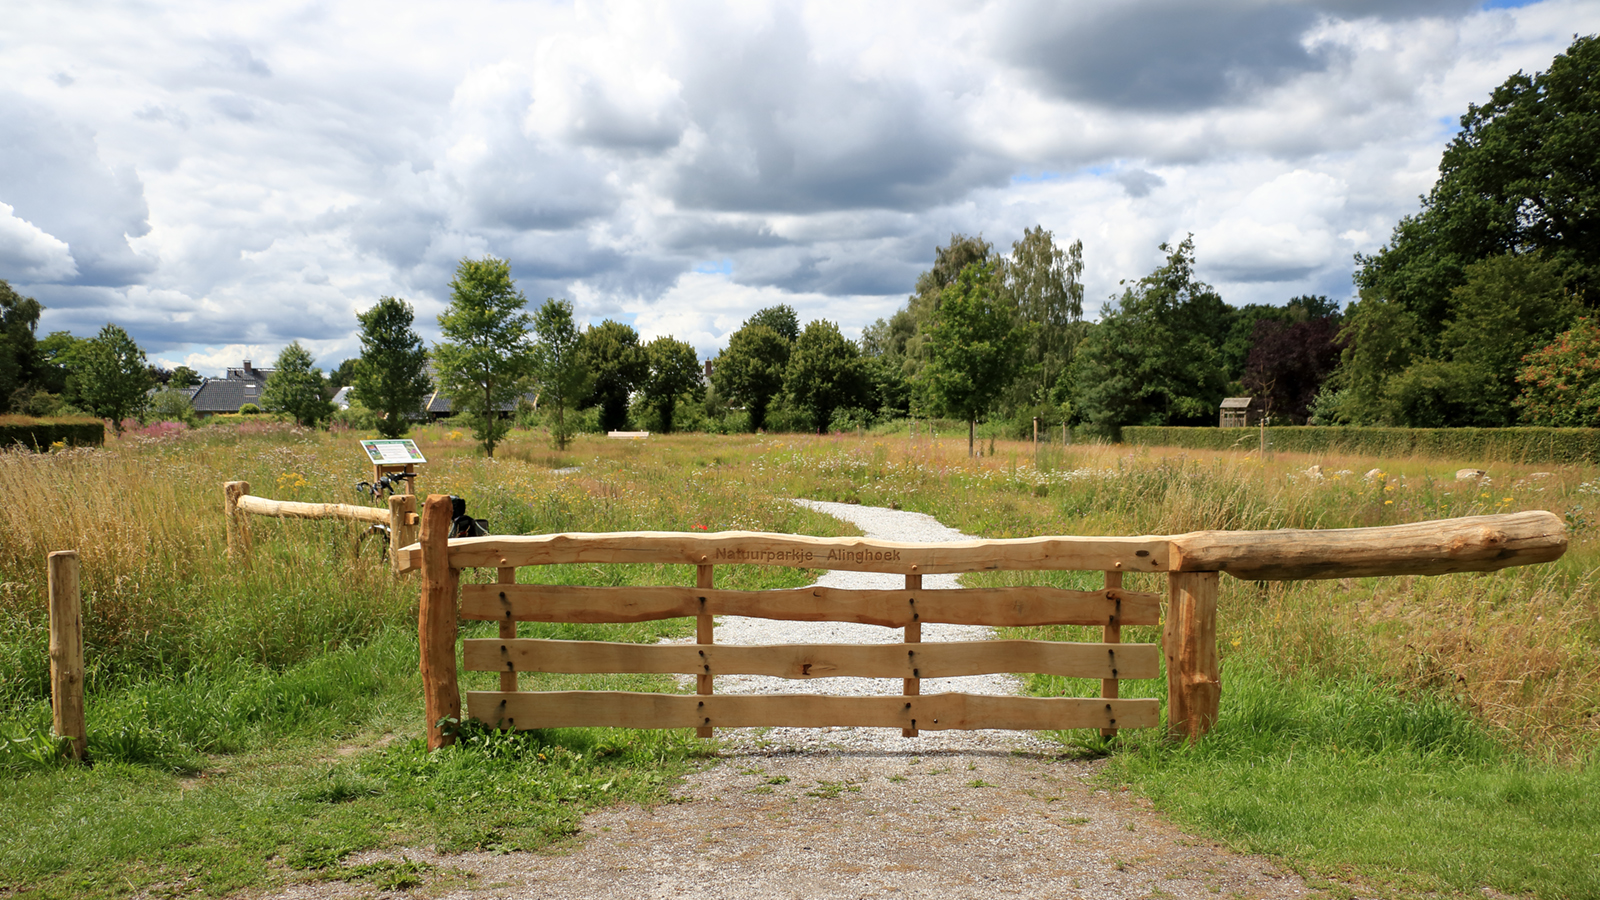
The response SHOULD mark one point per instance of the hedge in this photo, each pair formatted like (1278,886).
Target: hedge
(1519,445)
(40,434)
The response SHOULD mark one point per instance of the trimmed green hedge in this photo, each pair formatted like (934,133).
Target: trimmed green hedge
(1522,445)
(39,434)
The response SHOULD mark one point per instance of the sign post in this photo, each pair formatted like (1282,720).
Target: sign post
(394,457)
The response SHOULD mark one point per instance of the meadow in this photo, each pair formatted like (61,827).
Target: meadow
(251,726)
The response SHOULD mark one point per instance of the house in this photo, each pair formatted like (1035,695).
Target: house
(225,395)
(1240,412)
(439,406)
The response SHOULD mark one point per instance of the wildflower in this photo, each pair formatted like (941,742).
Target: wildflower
(699,527)
(1387,502)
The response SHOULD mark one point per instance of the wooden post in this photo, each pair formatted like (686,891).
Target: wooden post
(1194,687)
(508,627)
(913,685)
(1035,432)
(704,633)
(238,525)
(402,526)
(436,622)
(66,651)
(1113,635)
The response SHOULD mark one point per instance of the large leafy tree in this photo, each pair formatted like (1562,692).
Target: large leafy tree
(1392,372)
(1519,178)
(112,375)
(781,318)
(611,351)
(1153,359)
(558,367)
(297,387)
(973,347)
(900,341)
(392,374)
(19,316)
(485,357)
(750,370)
(825,374)
(675,373)
(1043,284)
(1288,363)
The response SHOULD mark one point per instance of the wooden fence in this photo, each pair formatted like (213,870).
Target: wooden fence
(400,517)
(1191,563)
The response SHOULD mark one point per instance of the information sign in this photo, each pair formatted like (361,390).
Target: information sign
(393,453)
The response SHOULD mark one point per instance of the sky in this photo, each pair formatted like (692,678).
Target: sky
(221,179)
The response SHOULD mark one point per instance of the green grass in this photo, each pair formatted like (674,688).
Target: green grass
(226,780)
(1353,778)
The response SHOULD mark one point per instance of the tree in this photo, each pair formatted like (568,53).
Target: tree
(1288,363)
(1505,307)
(558,366)
(750,370)
(781,318)
(1519,178)
(19,316)
(1561,381)
(183,377)
(112,375)
(824,373)
(485,356)
(674,373)
(345,373)
(296,387)
(1153,360)
(611,351)
(973,347)
(391,375)
(1508,306)
(171,405)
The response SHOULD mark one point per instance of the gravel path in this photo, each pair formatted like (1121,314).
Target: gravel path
(863,812)
(883,524)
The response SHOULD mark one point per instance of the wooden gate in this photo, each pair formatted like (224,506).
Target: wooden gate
(1191,562)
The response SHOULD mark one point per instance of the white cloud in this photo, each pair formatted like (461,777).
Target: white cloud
(27,253)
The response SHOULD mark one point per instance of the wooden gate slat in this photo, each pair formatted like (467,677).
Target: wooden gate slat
(931,712)
(1029,605)
(945,659)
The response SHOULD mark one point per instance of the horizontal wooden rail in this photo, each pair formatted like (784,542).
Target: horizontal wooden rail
(853,554)
(1470,544)
(892,608)
(947,659)
(290,509)
(932,712)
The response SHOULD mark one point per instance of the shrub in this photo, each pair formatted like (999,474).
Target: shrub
(40,434)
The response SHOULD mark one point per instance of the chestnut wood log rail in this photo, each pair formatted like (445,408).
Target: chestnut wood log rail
(400,517)
(1192,563)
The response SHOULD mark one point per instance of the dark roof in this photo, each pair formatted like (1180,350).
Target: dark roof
(226,395)
(439,404)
